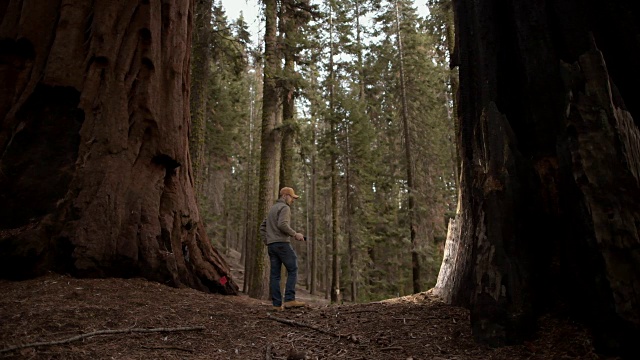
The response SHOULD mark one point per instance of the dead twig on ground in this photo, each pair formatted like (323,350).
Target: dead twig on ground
(267,354)
(295,323)
(99,332)
(167,348)
(392,348)
(360,311)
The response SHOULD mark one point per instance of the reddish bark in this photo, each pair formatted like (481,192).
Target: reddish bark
(96,177)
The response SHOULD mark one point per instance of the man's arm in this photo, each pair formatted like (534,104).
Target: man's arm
(284,219)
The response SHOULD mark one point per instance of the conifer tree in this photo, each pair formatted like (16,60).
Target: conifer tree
(270,144)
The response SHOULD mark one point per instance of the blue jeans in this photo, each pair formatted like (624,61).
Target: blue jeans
(282,253)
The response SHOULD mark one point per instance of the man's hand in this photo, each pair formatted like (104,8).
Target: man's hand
(299,237)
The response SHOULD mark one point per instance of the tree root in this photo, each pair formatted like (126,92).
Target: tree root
(99,332)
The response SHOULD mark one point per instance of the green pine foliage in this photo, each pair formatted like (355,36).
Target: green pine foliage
(227,94)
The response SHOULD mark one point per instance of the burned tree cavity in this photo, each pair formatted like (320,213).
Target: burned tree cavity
(549,213)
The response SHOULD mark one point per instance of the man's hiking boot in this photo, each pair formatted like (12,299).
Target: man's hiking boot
(278,308)
(294,304)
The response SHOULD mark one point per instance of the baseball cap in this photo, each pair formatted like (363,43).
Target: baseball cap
(288,191)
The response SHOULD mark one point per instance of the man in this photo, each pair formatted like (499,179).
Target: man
(277,234)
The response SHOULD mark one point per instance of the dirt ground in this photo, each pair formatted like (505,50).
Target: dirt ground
(60,317)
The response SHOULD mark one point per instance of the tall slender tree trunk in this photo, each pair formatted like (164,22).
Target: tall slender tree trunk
(251,234)
(270,146)
(327,244)
(360,53)
(353,245)
(288,95)
(455,86)
(348,224)
(335,268)
(549,140)
(96,177)
(313,199)
(307,224)
(248,184)
(415,258)
(314,211)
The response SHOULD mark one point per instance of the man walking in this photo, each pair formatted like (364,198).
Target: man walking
(277,234)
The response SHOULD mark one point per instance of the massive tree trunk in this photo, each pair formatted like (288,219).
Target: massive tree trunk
(550,208)
(95,173)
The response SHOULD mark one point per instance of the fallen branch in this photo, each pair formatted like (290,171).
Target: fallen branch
(295,323)
(167,348)
(267,355)
(360,311)
(99,332)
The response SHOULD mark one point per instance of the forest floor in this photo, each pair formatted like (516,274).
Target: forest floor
(59,317)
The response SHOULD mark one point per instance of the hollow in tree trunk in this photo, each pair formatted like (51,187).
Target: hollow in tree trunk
(550,147)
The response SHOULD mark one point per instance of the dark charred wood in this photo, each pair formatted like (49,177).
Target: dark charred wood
(550,195)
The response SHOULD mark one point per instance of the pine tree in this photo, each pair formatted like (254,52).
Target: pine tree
(270,145)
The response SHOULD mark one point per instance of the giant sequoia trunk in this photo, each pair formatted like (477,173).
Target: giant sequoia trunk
(550,212)
(95,173)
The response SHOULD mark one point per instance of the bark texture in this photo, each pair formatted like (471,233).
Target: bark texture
(95,171)
(550,199)
(333,167)
(270,141)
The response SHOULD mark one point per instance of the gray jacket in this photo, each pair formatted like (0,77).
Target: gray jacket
(275,227)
